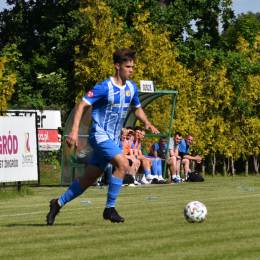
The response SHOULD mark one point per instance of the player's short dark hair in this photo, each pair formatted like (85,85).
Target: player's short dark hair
(138,128)
(129,127)
(163,138)
(178,133)
(123,55)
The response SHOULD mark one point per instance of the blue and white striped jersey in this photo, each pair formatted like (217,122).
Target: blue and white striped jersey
(110,104)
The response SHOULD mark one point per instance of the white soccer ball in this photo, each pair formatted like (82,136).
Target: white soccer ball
(195,211)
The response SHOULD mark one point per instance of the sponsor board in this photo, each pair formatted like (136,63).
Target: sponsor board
(48,122)
(47,119)
(18,149)
(49,140)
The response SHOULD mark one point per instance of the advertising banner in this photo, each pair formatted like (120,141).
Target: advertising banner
(49,140)
(48,122)
(18,149)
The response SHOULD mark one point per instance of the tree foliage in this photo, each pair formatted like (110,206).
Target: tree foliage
(8,78)
(217,101)
(45,33)
(244,25)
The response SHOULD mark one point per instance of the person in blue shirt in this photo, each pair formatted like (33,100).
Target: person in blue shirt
(184,149)
(159,151)
(110,101)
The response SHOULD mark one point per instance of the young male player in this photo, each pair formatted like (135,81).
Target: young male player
(110,101)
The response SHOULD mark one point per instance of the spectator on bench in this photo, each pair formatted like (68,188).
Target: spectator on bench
(125,146)
(145,162)
(174,153)
(184,149)
(130,133)
(159,151)
(156,163)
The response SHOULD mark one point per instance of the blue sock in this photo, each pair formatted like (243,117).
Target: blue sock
(159,167)
(72,192)
(115,185)
(154,167)
(146,172)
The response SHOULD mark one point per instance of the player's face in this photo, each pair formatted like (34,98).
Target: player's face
(123,137)
(162,142)
(130,134)
(125,69)
(177,139)
(138,134)
(142,135)
(189,140)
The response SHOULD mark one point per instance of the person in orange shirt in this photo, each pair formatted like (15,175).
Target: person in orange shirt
(125,145)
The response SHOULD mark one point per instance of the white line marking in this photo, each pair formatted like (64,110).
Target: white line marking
(155,202)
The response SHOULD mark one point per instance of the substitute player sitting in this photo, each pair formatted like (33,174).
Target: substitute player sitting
(125,145)
(145,162)
(110,101)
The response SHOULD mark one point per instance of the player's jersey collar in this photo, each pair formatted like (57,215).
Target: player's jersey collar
(113,82)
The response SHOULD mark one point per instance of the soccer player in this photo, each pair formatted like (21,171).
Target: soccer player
(110,101)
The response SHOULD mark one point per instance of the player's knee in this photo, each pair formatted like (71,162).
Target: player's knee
(138,163)
(124,166)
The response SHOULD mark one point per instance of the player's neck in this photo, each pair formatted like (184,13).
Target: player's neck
(118,80)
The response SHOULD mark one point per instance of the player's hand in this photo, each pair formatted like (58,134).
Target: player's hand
(198,158)
(150,126)
(72,139)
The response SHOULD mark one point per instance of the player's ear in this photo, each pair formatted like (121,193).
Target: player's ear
(117,66)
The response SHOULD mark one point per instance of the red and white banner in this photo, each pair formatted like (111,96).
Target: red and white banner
(49,140)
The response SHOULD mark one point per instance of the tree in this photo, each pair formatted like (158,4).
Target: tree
(8,60)
(244,25)
(176,16)
(45,33)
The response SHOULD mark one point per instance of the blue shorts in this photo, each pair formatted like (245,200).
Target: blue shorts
(151,157)
(103,153)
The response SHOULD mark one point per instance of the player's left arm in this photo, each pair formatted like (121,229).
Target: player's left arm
(139,114)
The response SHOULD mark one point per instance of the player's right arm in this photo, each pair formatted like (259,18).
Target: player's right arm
(73,136)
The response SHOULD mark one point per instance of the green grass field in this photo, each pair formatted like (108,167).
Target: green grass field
(153,229)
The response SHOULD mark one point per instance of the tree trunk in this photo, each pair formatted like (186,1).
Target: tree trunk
(203,167)
(228,164)
(246,166)
(232,166)
(224,166)
(256,164)
(213,165)
(193,166)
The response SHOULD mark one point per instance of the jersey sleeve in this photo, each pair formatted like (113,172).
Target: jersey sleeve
(135,100)
(155,147)
(96,93)
(182,148)
(171,144)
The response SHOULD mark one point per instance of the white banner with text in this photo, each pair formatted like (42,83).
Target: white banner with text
(18,149)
